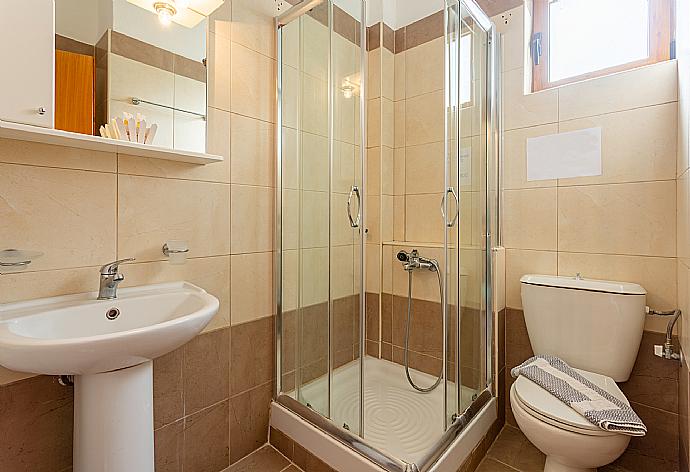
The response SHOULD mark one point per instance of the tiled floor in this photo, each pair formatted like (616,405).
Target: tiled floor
(512,452)
(266,459)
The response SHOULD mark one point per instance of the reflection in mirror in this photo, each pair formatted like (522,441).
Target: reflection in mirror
(144,59)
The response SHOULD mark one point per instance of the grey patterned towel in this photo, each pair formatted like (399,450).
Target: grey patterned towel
(596,405)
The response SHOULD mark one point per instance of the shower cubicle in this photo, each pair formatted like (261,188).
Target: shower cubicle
(386,204)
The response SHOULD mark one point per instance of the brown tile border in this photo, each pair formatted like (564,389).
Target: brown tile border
(63,43)
(140,51)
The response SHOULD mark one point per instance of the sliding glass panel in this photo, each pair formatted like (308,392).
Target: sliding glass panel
(346,194)
(305,208)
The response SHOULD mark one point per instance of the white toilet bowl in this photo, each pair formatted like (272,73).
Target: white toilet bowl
(570,442)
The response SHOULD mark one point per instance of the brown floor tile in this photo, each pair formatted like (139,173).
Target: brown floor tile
(491,465)
(266,459)
(513,448)
(282,442)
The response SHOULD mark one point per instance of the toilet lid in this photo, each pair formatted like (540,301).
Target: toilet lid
(544,404)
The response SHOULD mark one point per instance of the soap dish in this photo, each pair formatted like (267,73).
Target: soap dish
(16,260)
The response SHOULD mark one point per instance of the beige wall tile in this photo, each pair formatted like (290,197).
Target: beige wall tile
(314,164)
(314,105)
(387,171)
(210,273)
(69,215)
(634,219)
(342,273)
(374,123)
(649,85)
(220,20)
(423,220)
(37,154)
(253,84)
(253,151)
(515,157)
(399,117)
(387,74)
(425,68)
(373,171)
(315,48)
(48,283)
(252,213)
(291,219)
(372,220)
(425,168)
(683,216)
(399,86)
(291,88)
(314,280)
(386,218)
(254,26)
(152,211)
(219,65)
(8,376)
(683,114)
(399,218)
(251,287)
(387,123)
(683,267)
(218,143)
(637,145)
(424,118)
(373,268)
(530,219)
(374,74)
(343,176)
(511,24)
(399,170)
(314,230)
(656,274)
(520,262)
(521,110)
(291,279)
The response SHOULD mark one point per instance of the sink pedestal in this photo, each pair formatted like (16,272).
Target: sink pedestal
(113,421)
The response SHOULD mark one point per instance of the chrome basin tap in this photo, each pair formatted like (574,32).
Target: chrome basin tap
(110,279)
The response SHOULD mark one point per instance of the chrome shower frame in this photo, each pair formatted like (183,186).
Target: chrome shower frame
(493,126)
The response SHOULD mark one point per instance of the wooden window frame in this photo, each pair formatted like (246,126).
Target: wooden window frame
(661,14)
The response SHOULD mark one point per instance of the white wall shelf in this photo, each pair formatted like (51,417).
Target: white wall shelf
(37,134)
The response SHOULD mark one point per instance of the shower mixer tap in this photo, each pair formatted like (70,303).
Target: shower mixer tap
(412,260)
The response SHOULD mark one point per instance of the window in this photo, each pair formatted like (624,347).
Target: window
(579,39)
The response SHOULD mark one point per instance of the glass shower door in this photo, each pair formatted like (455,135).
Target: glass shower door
(466,140)
(306,154)
(345,221)
(319,81)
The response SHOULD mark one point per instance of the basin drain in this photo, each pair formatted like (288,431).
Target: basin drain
(112,313)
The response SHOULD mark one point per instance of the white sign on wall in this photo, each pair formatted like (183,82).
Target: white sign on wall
(564,155)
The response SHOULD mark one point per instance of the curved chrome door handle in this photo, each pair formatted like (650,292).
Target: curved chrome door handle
(451,223)
(354,222)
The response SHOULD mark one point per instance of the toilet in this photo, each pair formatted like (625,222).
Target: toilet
(596,327)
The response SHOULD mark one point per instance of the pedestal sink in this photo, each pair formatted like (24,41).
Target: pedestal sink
(109,346)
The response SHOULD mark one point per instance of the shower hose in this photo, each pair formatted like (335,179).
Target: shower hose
(408,329)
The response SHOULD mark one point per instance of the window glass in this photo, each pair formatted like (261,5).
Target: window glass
(590,35)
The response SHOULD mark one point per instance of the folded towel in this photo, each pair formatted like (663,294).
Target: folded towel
(597,405)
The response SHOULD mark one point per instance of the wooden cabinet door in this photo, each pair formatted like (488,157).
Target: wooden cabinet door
(27,45)
(74,92)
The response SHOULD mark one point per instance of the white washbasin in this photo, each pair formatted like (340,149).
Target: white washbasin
(72,335)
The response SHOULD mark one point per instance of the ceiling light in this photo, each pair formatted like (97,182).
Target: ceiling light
(165,12)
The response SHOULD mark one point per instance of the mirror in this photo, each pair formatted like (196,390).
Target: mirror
(136,59)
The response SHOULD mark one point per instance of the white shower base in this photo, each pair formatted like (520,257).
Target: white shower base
(398,419)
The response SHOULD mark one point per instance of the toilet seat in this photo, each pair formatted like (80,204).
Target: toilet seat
(540,404)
